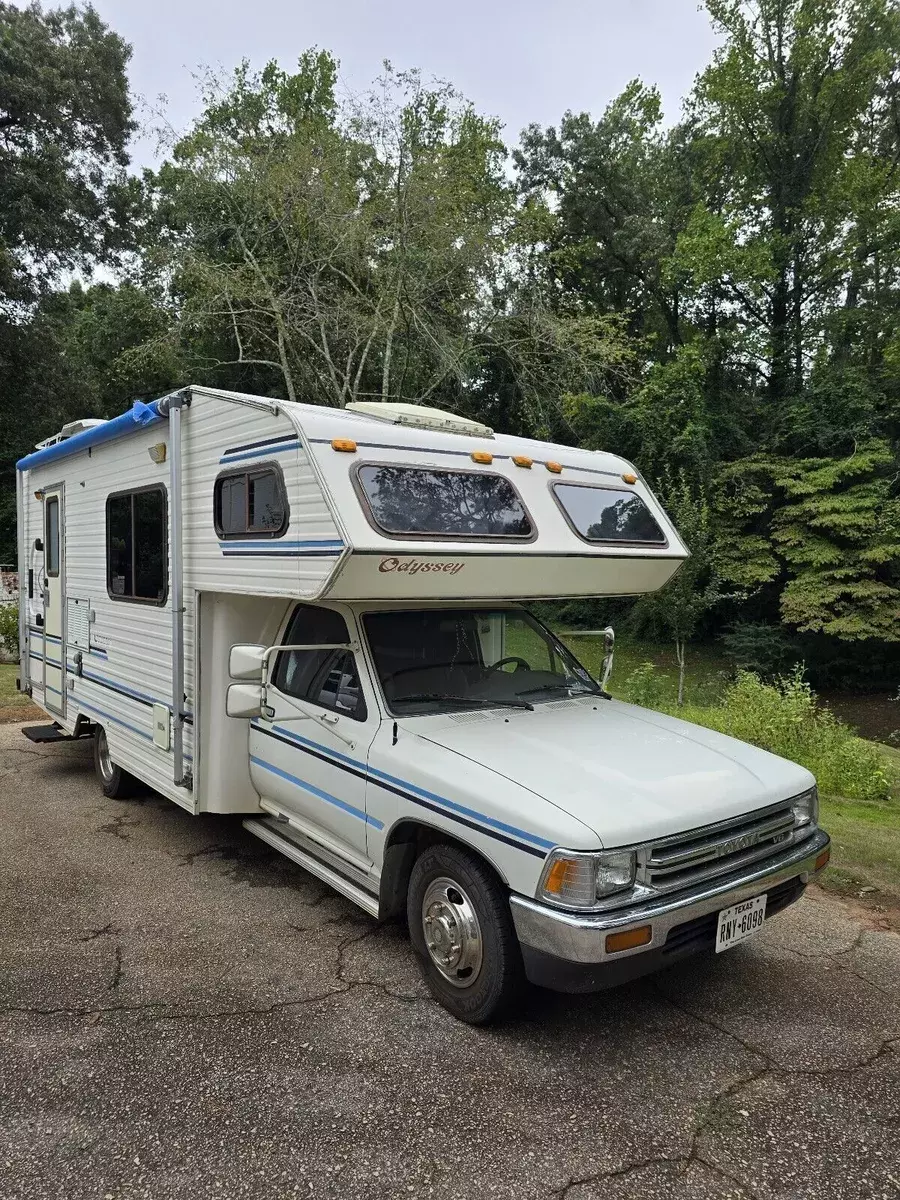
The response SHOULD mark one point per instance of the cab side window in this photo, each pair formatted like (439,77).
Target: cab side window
(327,678)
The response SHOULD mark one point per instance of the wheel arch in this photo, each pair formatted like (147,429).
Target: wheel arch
(405,841)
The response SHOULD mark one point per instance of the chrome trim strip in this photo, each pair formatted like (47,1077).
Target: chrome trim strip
(581,938)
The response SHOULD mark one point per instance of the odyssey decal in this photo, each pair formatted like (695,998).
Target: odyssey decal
(412,566)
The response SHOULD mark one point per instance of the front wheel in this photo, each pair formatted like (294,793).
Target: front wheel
(462,932)
(116,783)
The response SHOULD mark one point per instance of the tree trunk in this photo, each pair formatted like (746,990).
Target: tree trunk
(679,654)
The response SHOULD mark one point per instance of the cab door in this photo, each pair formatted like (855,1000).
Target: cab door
(54,650)
(313,767)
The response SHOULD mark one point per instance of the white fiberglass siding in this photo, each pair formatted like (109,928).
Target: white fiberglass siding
(221,435)
(129,665)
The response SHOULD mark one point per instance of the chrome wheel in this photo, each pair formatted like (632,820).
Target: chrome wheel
(107,770)
(452,932)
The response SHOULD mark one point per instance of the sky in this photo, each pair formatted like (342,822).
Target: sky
(519,60)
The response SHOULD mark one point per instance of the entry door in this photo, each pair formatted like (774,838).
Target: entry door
(54,638)
(306,764)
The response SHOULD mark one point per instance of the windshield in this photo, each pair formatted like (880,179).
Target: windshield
(439,660)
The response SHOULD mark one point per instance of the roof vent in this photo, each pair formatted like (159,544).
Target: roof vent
(419,416)
(69,430)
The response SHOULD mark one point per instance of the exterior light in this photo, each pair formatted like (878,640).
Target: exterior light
(158,452)
(522,460)
(482,456)
(345,445)
(554,467)
(629,477)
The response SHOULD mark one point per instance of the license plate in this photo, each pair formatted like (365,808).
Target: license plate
(739,922)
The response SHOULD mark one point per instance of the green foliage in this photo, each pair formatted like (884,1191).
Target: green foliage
(9,628)
(645,686)
(784,718)
(65,118)
(755,646)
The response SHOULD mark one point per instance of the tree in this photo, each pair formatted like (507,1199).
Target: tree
(680,607)
(65,120)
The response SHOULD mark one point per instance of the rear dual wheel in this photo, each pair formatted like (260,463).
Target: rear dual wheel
(463,936)
(116,783)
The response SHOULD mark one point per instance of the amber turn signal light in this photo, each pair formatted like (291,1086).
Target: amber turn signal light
(628,939)
(629,478)
(554,467)
(522,460)
(344,444)
(823,858)
(482,456)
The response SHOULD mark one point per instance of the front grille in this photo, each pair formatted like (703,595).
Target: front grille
(700,934)
(690,858)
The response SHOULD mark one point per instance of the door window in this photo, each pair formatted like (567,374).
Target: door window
(326,678)
(51,554)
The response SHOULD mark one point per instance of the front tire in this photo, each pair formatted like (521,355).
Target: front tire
(463,936)
(116,783)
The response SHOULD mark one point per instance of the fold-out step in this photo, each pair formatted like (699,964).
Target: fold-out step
(47,733)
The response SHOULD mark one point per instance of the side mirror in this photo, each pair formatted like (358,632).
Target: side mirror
(246,662)
(243,700)
(609,643)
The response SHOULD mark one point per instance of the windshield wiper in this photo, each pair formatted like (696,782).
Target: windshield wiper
(556,687)
(476,700)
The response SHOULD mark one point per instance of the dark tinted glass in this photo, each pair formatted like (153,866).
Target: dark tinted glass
(609,515)
(266,507)
(232,504)
(461,504)
(137,546)
(249,503)
(52,538)
(149,546)
(325,677)
(119,546)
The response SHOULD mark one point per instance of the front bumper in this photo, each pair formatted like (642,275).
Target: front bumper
(567,951)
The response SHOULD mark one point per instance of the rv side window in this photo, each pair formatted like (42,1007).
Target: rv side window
(137,546)
(435,503)
(600,514)
(51,536)
(327,678)
(251,503)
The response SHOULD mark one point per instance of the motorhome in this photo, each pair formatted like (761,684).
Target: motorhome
(317,619)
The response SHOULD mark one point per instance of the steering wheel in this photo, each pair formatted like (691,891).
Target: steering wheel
(521,664)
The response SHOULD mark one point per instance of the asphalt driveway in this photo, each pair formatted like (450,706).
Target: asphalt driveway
(186,1014)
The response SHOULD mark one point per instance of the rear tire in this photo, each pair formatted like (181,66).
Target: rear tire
(116,783)
(462,933)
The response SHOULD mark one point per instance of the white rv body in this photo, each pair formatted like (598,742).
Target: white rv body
(339,795)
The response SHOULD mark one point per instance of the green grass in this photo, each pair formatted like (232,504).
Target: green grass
(9,697)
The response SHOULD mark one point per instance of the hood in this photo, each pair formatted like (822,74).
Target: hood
(626,772)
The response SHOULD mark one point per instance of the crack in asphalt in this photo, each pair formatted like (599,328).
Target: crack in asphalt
(117,971)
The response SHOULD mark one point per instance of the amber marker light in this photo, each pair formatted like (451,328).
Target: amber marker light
(823,858)
(482,456)
(558,876)
(554,467)
(629,939)
(345,445)
(629,478)
(522,460)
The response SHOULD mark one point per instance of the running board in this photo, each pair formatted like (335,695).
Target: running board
(264,829)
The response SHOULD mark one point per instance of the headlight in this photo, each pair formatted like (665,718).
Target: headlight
(806,808)
(579,880)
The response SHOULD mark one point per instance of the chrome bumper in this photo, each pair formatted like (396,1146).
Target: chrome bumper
(582,938)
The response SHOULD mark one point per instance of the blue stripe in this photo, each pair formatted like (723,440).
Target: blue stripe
(99,654)
(121,426)
(79,704)
(120,687)
(53,662)
(48,688)
(375,774)
(278,544)
(262,452)
(51,637)
(308,787)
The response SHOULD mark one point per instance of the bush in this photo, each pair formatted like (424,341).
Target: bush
(783,717)
(9,628)
(645,686)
